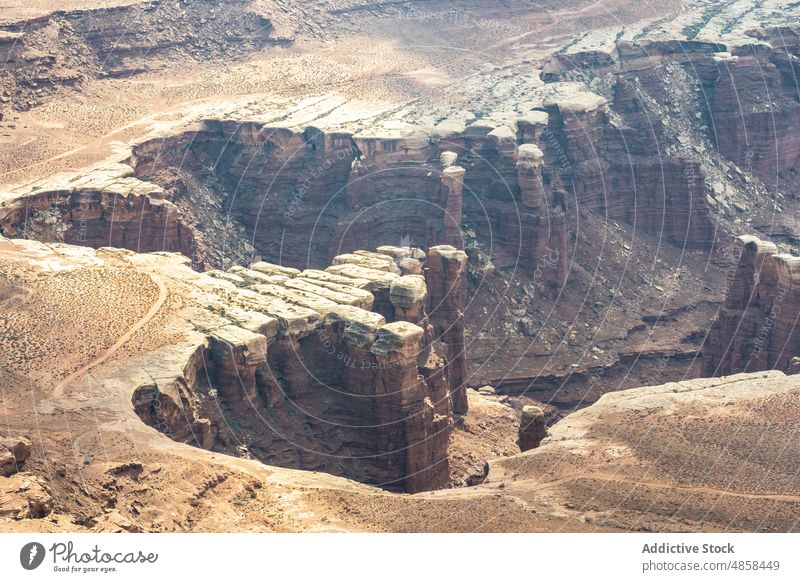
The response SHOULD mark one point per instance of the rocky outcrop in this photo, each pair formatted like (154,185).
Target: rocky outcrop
(13,453)
(342,371)
(66,47)
(612,170)
(517,181)
(106,207)
(445,276)
(168,401)
(746,83)
(335,370)
(299,194)
(532,428)
(25,496)
(755,104)
(530,160)
(452,192)
(757,327)
(22,495)
(544,223)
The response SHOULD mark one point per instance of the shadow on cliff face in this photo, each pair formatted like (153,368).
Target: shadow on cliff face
(758,327)
(355,371)
(530,206)
(559,209)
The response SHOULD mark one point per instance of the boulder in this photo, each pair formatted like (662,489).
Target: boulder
(532,428)
(24,496)
(13,453)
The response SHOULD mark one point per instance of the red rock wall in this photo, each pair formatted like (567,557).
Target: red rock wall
(323,403)
(621,173)
(758,326)
(347,193)
(98,218)
(445,277)
(755,110)
(340,391)
(749,92)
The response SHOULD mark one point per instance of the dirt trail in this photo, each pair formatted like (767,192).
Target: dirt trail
(154,309)
(550,17)
(660,485)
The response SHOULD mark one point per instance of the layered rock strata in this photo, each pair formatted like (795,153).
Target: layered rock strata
(748,97)
(335,370)
(758,326)
(13,454)
(445,275)
(452,199)
(532,428)
(104,207)
(301,193)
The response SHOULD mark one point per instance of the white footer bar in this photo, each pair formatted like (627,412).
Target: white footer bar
(401,557)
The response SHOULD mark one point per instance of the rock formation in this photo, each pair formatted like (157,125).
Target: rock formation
(580,208)
(13,453)
(446,300)
(310,377)
(757,327)
(752,98)
(107,207)
(532,428)
(67,47)
(24,496)
(276,408)
(524,177)
(452,192)
(544,223)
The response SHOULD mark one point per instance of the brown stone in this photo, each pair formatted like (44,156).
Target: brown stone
(532,428)
(444,276)
(756,328)
(13,453)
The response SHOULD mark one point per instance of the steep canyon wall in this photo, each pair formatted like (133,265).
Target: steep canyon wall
(337,370)
(519,186)
(758,326)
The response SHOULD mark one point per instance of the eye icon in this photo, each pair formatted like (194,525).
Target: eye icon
(31,555)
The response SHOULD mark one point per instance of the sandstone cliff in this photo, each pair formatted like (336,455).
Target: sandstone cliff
(758,326)
(353,370)
(517,180)
(200,357)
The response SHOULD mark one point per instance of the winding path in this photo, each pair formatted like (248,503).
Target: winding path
(162,297)
(674,487)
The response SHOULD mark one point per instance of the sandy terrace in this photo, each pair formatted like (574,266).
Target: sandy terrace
(418,64)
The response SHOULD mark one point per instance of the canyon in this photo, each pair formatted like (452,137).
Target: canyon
(332,371)
(128,441)
(399,259)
